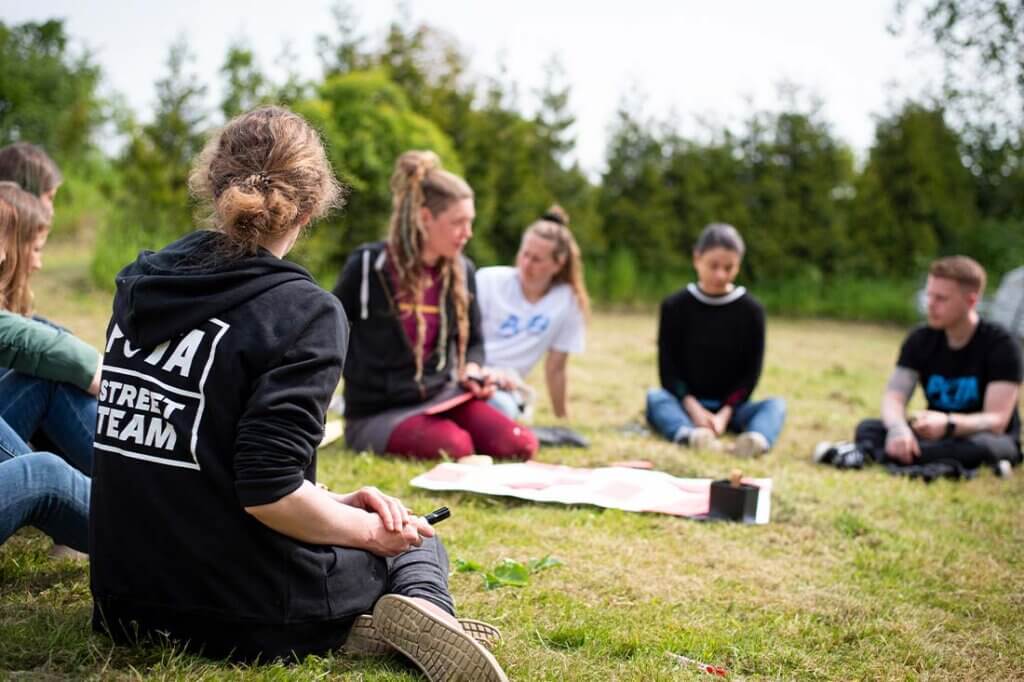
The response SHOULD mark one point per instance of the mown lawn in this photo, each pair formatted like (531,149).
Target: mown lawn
(859,576)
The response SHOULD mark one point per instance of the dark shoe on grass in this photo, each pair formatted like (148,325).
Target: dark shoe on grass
(840,454)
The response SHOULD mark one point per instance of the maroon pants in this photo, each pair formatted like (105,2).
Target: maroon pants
(474,427)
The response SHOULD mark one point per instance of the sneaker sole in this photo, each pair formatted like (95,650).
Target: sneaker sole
(485,633)
(364,640)
(441,652)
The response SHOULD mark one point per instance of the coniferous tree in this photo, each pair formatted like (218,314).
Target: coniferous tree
(246,86)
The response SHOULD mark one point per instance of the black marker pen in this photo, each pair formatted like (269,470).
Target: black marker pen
(437,515)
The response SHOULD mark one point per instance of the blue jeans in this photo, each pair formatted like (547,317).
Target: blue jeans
(506,403)
(65,414)
(666,414)
(40,489)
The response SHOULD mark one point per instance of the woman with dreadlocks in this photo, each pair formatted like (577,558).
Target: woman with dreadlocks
(413,380)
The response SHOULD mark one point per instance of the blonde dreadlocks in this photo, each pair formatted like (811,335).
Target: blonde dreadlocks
(419,181)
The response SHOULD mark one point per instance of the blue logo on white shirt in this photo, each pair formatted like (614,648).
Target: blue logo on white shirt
(538,324)
(535,326)
(510,327)
(952,394)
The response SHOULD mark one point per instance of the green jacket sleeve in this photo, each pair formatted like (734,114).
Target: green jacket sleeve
(45,352)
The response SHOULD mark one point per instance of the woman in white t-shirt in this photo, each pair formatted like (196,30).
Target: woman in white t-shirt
(539,306)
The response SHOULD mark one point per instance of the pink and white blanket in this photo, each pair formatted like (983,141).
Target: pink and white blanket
(623,488)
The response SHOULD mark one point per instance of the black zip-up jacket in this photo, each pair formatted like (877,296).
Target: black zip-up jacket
(217,373)
(380,369)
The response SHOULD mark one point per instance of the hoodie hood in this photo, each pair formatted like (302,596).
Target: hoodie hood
(171,291)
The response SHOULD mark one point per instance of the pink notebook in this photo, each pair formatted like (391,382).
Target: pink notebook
(446,405)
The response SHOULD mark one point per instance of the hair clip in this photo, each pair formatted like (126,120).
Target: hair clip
(553,218)
(258,181)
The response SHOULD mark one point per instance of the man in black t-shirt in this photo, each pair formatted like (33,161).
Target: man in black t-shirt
(970,370)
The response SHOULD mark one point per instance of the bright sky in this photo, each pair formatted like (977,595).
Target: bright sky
(690,59)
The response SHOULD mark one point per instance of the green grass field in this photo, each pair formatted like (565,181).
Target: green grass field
(860,575)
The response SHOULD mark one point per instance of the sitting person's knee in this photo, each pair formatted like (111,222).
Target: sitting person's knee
(778,406)
(658,396)
(528,444)
(521,443)
(455,444)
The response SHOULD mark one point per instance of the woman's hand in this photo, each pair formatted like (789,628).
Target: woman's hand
(699,415)
(500,379)
(720,420)
(385,542)
(476,381)
(94,387)
(393,514)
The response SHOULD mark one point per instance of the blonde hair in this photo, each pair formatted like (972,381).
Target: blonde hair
(24,224)
(419,181)
(963,270)
(554,226)
(262,173)
(30,168)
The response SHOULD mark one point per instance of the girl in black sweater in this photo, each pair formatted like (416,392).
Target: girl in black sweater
(710,353)
(207,526)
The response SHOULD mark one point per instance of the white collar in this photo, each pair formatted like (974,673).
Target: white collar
(715,300)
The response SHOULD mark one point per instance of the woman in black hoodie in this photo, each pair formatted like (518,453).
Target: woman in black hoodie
(206,523)
(414,384)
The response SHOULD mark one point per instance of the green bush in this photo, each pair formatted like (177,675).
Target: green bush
(996,244)
(621,282)
(846,298)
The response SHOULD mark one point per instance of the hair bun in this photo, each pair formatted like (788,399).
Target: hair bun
(556,214)
(242,211)
(418,163)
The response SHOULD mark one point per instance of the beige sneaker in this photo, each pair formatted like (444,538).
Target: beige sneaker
(751,444)
(365,640)
(702,438)
(442,652)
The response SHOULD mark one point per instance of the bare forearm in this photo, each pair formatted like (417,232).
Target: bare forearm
(557,389)
(309,514)
(897,394)
(977,422)
(894,412)
(691,405)
(556,374)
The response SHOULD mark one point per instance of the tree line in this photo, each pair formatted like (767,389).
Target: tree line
(826,234)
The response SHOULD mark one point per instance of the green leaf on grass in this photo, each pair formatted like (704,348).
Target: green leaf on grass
(512,572)
(547,561)
(509,571)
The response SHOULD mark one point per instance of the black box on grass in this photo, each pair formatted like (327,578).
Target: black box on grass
(733,502)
